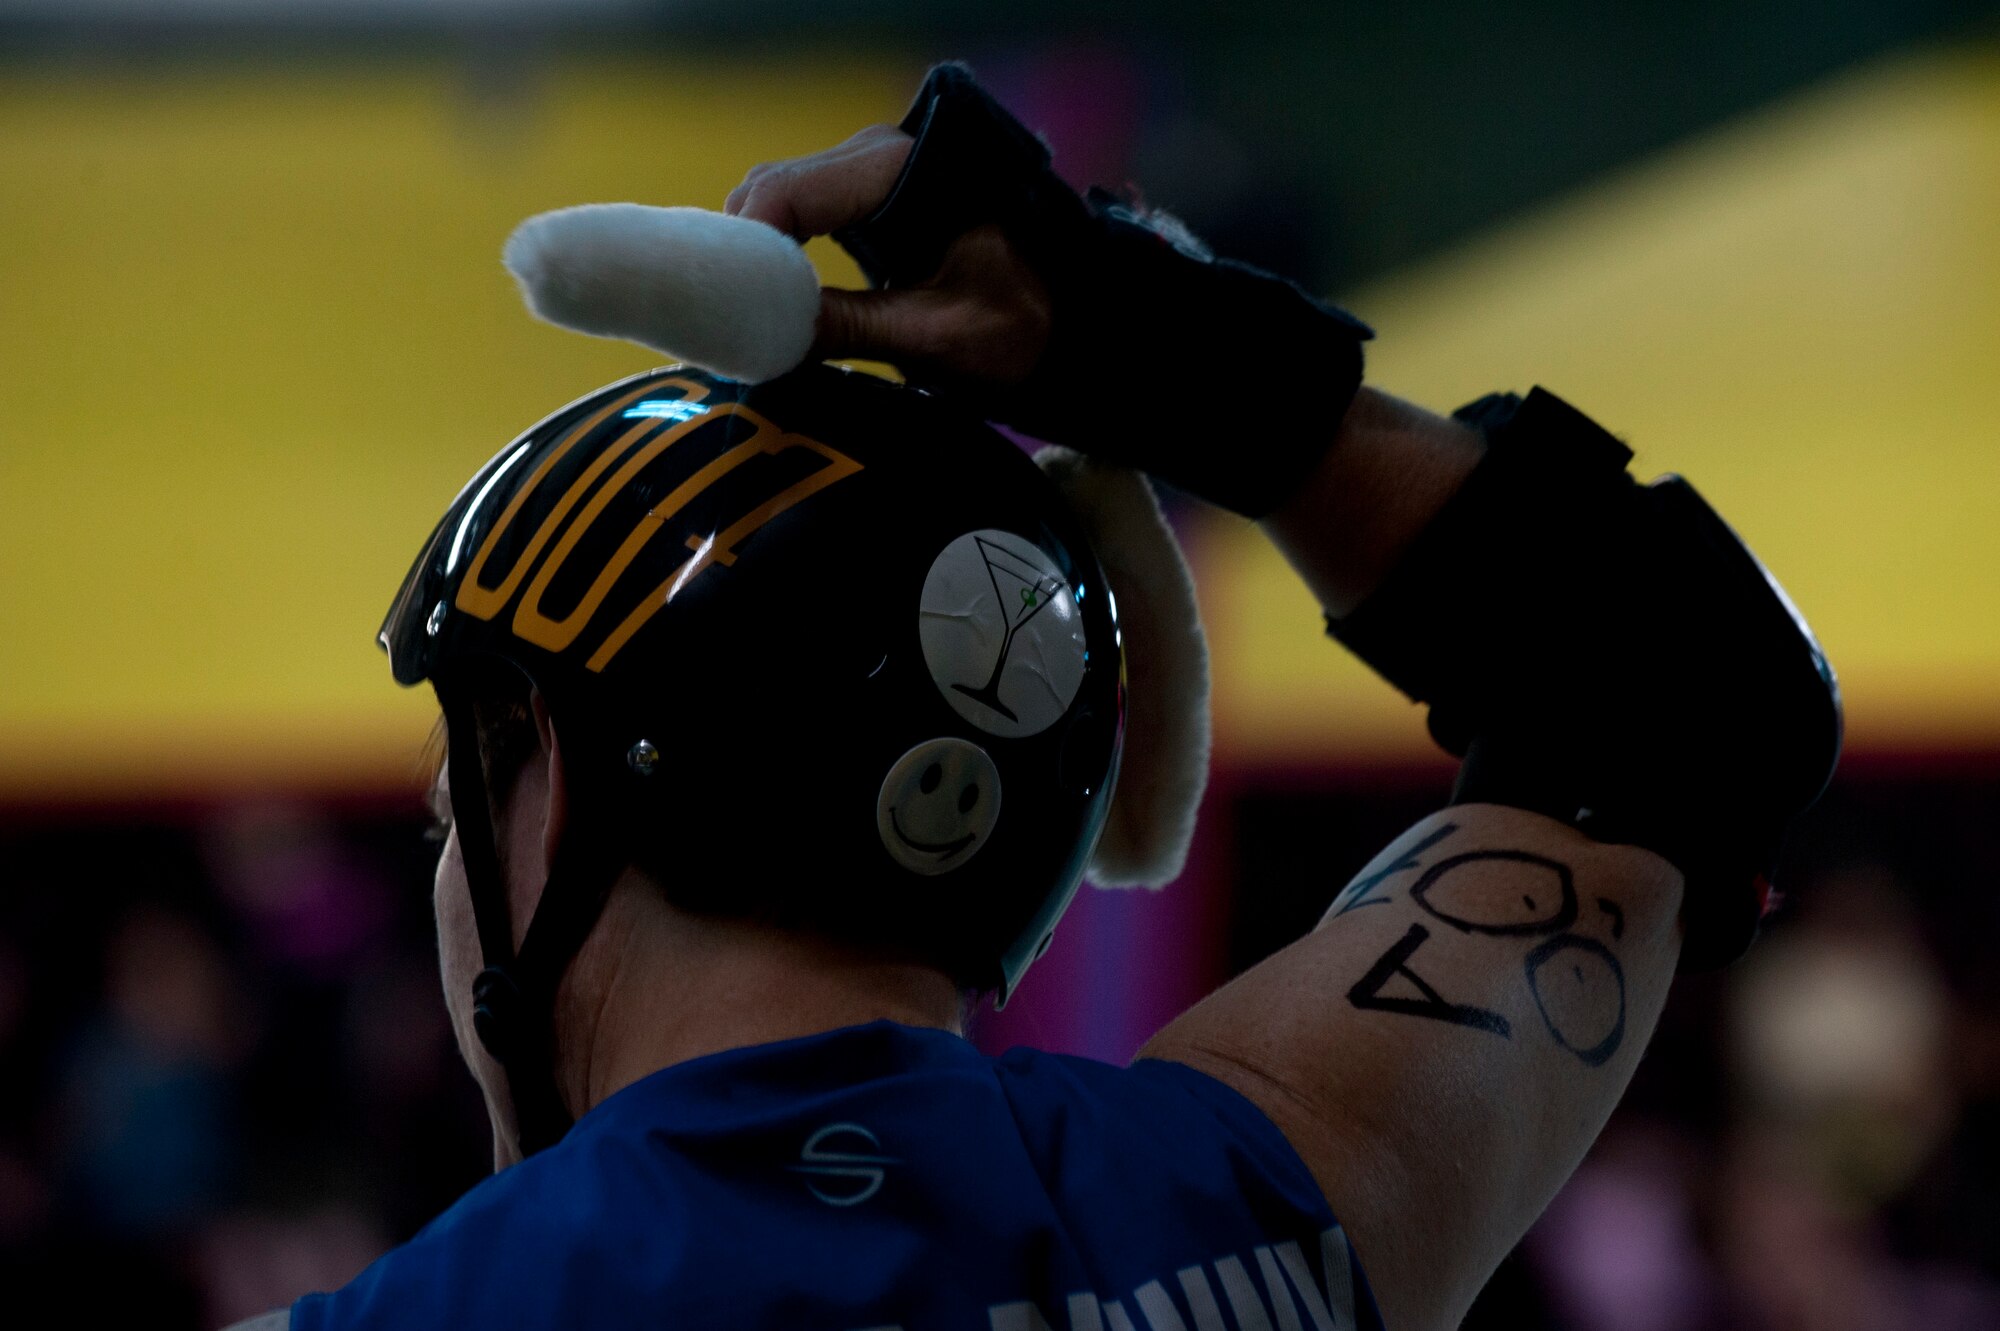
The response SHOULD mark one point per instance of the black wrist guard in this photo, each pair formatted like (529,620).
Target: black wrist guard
(1612,655)
(1132,305)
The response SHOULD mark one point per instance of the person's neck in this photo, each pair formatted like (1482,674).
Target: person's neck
(656,986)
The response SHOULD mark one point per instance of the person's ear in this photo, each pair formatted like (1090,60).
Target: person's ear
(555,807)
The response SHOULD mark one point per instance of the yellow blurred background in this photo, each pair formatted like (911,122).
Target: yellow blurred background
(1800,313)
(258,332)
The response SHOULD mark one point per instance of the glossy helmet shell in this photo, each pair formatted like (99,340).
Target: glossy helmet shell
(829,651)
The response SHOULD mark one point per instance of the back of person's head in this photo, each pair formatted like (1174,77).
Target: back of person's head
(826,652)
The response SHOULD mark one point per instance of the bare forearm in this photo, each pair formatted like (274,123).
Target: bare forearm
(1549,957)
(1444,1048)
(1391,468)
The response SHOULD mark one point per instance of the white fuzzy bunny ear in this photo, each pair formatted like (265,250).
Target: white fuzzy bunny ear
(1165,768)
(722,293)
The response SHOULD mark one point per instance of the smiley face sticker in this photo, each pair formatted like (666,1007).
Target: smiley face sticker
(938,805)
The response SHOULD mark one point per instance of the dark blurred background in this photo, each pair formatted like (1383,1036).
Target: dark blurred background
(258,336)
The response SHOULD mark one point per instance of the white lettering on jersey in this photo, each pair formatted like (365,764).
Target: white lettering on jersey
(1200,1298)
(1160,1312)
(1084,1314)
(1245,1304)
(1022,1316)
(1288,1284)
(1334,1311)
(1274,1286)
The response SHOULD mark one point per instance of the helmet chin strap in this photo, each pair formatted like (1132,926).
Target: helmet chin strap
(514,997)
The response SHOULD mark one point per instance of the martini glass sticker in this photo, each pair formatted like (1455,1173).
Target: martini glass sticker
(1001,633)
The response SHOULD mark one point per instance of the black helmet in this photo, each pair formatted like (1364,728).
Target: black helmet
(826,651)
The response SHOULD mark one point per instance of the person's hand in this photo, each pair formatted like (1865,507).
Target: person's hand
(982,321)
(1073,319)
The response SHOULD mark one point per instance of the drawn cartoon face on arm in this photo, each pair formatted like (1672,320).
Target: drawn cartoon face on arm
(1501,892)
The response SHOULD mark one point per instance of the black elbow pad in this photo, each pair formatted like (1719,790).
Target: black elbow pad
(1610,654)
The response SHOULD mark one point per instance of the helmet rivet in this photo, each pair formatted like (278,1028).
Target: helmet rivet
(643,757)
(436,621)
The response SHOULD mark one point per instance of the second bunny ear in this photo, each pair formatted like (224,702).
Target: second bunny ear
(725,294)
(1165,766)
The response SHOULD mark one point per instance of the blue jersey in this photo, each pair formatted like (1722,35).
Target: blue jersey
(884,1176)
